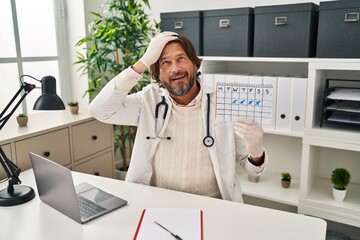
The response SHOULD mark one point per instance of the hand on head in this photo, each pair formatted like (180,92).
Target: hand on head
(252,134)
(156,46)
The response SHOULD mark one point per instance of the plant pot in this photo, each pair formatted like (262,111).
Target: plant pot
(339,195)
(74,109)
(120,174)
(22,121)
(253,179)
(285,184)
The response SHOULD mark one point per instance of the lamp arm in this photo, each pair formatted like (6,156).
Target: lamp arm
(24,86)
(11,169)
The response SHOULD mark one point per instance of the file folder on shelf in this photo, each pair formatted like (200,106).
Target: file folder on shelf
(187,223)
(299,90)
(208,79)
(283,108)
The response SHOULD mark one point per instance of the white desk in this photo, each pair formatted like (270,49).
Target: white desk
(222,219)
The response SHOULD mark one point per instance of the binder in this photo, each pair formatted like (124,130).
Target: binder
(299,90)
(283,105)
(269,102)
(187,223)
(208,79)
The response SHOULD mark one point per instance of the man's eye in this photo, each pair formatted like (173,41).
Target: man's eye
(165,64)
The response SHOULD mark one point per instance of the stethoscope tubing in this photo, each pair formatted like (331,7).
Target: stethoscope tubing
(208,141)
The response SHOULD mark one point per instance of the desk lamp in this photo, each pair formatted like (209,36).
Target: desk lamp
(48,100)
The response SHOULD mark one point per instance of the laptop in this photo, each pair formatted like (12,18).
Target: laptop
(81,203)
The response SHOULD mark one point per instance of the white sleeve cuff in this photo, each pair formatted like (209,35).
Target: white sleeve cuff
(127,79)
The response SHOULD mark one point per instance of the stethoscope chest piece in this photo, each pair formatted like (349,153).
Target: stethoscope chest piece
(208,141)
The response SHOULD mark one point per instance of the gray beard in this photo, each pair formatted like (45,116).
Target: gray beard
(181,89)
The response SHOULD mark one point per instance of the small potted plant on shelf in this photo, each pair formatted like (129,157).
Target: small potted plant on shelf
(74,107)
(22,119)
(285,179)
(340,178)
(253,179)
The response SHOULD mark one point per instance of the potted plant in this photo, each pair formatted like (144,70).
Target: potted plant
(22,119)
(285,179)
(117,38)
(74,107)
(253,179)
(340,178)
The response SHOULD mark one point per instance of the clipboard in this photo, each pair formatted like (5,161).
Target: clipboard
(187,223)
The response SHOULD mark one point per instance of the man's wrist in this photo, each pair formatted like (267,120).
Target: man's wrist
(257,161)
(133,74)
(139,67)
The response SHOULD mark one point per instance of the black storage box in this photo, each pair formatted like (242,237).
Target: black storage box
(228,32)
(286,30)
(187,23)
(339,29)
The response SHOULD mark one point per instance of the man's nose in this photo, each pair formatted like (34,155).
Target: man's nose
(175,66)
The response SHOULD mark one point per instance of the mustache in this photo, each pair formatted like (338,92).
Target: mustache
(178,74)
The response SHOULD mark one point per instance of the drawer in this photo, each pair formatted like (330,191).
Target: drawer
(7,150)
(54,145)
(101,165)
(91,137)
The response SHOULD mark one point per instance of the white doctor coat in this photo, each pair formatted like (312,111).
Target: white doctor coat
(117,107)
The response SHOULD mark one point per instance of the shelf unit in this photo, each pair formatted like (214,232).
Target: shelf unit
(309,156)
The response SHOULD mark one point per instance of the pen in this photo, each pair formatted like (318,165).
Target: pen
(174,235)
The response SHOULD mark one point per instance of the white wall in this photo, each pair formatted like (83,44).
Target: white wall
(76,30)
(78,18)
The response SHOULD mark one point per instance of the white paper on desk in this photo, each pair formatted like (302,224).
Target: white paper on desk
(184,222)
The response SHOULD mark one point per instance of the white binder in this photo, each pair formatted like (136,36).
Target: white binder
(283,109)
(269,102)
(299,90)
(208,79)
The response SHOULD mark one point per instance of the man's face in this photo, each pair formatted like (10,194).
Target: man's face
(177,71)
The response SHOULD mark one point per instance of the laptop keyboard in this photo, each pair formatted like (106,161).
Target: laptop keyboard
(88,208)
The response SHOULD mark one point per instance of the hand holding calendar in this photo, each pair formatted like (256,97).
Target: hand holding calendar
(252,134)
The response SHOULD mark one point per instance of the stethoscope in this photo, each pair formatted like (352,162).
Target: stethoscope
(208,141)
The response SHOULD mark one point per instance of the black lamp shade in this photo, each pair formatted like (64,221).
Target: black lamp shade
(49,100)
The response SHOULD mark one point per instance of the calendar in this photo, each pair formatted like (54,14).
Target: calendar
(245,100)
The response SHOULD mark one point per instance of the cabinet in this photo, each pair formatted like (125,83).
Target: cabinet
(78,142)
(311,155)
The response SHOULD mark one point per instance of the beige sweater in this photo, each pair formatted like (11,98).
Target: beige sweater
(183,163)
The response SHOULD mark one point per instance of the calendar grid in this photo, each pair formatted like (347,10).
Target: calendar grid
(244,100)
